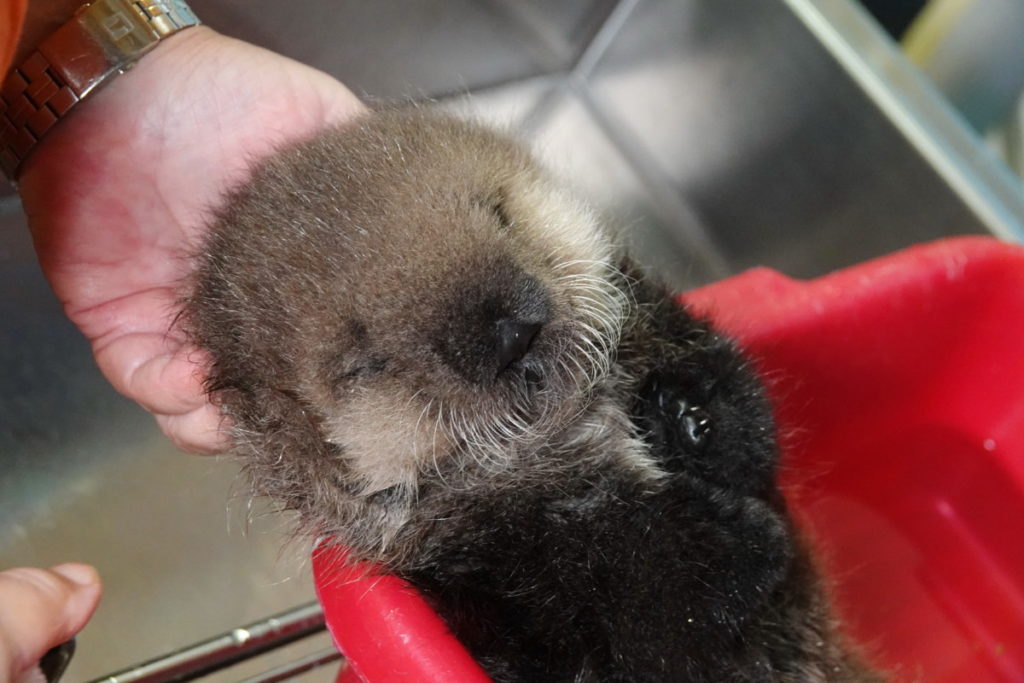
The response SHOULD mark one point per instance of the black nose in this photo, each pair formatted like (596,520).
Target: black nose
(514,339)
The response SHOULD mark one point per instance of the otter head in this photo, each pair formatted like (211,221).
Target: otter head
(418,295)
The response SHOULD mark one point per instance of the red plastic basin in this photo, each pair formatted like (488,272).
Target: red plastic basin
(899,387)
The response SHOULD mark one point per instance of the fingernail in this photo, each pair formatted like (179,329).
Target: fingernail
(76,572)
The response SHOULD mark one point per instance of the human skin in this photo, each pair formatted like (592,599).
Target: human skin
(119,194)
(39,609)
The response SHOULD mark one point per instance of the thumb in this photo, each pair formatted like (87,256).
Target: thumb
(40,609)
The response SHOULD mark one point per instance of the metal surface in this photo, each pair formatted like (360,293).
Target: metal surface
(924,118)
(399,49)
(972,50)
(220,652)
(781,146)
(292,669)
(716,134)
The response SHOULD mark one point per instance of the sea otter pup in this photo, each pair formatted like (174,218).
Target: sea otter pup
(434,355)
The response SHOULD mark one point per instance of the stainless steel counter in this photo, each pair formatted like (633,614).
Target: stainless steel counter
(716,134)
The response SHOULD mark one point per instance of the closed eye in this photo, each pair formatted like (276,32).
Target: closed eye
(373,366)
(344,376)
(494,203)
(500,211)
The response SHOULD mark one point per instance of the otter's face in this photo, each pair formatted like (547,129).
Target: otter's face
(458,306)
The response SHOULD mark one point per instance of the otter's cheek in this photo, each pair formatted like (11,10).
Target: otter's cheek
(387,440)
(567,223)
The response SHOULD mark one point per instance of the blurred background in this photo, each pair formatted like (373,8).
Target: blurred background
(716,135)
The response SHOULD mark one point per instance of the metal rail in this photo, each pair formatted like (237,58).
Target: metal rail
(299,666)
(227,649)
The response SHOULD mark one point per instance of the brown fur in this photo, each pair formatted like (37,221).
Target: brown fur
(348,295)
(324,352)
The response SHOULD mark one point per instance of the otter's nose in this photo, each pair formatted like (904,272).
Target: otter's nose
(514,338)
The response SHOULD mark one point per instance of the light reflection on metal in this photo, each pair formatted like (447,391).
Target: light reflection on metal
(228,649)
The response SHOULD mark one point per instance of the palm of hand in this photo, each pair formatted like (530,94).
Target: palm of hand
(119,194)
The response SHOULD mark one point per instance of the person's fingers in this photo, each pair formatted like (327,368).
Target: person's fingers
(40,609)
(164,376)
(118,260)
(169,385)
(157,370)
(141,351)
(200,432)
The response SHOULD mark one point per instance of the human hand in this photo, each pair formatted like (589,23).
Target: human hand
(40,609)
(118,196)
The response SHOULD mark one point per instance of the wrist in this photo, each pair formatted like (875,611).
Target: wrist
(89,139)
(101,40)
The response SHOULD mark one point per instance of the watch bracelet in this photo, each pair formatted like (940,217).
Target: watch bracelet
(104,38)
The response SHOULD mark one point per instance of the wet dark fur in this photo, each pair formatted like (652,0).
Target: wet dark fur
(601,509)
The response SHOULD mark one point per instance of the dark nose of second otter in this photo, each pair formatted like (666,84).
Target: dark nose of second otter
(514,338)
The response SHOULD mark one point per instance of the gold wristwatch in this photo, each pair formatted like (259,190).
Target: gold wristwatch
(104,38)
